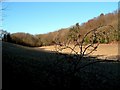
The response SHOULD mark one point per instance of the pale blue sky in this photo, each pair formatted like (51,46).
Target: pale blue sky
(44,17)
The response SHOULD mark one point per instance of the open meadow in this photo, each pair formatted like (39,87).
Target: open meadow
(104,51)
(60,45)
(30,68)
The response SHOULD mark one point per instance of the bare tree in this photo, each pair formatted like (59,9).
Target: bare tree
(77,56)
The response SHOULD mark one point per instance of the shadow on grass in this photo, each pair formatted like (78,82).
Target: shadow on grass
(26,68)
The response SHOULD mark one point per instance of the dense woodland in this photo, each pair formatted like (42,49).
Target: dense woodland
(108,31)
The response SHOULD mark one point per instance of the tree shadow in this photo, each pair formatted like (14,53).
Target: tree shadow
(26,68)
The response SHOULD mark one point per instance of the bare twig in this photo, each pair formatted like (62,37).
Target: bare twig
(83,50)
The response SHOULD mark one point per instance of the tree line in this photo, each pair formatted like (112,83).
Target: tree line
(108,33)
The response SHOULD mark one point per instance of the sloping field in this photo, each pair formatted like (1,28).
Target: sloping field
(104,51)
(32,68)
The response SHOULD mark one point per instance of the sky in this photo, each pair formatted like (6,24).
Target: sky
(44,17)
(61,0)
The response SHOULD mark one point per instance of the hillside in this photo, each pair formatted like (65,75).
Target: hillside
(108,31)
(28,68)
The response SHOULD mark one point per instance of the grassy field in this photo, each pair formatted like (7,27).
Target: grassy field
(29,68)
(108,51)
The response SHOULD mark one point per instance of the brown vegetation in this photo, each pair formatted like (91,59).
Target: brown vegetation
(28,68)
(40,69)
(109,32)
(104,51)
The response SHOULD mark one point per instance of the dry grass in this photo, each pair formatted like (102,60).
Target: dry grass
(104,51)
(28,68)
